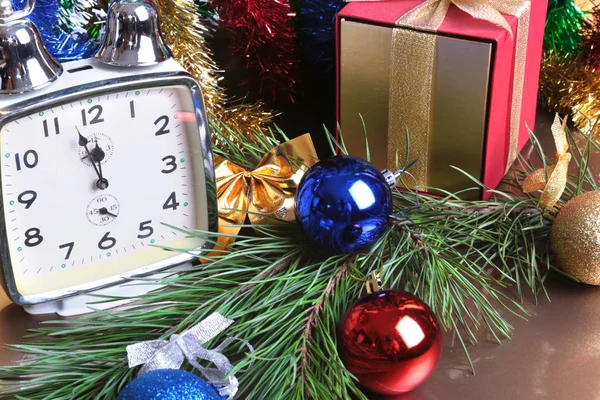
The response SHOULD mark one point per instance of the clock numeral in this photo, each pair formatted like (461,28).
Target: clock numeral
(56,127)
(33,237)
(162,130)
(171,202)
(132,109)
(96,120)
(107,242)
(69,247)
(145,226)
(170,160)
(30,159)
(27,198)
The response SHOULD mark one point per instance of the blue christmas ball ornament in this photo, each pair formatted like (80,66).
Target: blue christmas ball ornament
(343,204)
(169,384)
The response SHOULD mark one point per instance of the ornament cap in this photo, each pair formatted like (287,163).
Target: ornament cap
(390,177)
(132,37)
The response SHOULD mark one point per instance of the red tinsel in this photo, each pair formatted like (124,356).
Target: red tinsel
(591,39)
(266,39)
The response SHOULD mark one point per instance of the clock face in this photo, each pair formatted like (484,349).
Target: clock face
(95,188)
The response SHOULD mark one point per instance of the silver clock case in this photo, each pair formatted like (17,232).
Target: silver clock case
(89,78)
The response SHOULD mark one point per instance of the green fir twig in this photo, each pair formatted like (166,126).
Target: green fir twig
(287,298)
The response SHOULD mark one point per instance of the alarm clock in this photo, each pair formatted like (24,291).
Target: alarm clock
(106,164)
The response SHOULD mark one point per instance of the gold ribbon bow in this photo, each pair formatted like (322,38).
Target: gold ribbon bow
(411,78)
(555,185)
(430,14)
(265,194)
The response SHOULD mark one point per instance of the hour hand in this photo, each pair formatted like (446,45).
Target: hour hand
(82,140)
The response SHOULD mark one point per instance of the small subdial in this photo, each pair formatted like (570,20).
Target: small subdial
(103,209)
(101,140)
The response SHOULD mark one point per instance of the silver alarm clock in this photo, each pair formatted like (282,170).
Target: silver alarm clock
(105,162)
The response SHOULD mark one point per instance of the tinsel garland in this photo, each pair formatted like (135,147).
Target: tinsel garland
(265,38)
(569,85)
(564,25)
(63,44)
(83,16)
(185,31)
(591,39)
(569,81)
(316,22)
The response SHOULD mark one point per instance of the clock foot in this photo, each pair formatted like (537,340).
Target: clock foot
(89,302)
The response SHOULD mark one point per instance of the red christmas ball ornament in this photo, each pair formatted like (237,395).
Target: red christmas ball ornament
(391,341)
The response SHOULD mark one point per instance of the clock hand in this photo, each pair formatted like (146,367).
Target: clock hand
(101,183)
(97,155)
(83,142)
(104,211)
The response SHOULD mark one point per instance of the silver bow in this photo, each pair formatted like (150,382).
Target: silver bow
(170,354)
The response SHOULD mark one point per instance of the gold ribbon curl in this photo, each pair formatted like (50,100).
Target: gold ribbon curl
(412,58)
(557,174)
(265,194)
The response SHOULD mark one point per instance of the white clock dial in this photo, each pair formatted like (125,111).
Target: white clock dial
(91,188)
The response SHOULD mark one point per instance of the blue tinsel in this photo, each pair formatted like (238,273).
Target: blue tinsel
(317,25)
(64,46)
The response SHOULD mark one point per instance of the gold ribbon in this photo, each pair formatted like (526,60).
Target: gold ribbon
(412,60)
(265,194)
(557,174)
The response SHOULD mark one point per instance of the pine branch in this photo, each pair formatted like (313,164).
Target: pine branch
(287,300)
(315,311)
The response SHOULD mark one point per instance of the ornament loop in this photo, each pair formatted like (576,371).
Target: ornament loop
(374,284)
(170,354)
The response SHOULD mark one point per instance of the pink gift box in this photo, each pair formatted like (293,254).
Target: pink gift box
(495,140)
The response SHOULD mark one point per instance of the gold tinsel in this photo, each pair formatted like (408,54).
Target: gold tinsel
(569,86)
(185,32)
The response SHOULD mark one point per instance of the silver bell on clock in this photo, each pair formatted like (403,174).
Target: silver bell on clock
(104,166)
(25,63)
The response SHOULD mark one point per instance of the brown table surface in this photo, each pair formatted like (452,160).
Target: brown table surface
(554,355)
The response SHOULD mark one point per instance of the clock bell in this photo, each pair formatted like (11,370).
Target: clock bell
(131,116)
(132,37)
(25,63)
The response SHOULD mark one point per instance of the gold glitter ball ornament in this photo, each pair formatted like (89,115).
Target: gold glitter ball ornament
(575,237)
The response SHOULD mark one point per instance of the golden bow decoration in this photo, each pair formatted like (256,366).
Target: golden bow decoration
(557,174)
(265,194)
(430,14)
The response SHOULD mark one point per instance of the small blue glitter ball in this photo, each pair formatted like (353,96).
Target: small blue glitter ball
(169,384)
(343,204)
